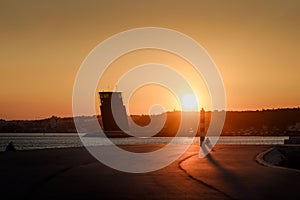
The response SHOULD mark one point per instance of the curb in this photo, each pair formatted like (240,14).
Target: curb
(260,160)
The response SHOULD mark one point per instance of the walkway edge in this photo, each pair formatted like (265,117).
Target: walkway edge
(198,180)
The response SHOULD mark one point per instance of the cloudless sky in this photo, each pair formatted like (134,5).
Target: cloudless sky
(255,44)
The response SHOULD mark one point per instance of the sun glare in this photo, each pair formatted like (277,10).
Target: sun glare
(189,102)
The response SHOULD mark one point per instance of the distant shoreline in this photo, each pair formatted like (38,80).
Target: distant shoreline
(25,142)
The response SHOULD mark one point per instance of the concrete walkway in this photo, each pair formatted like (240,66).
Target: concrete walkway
(230,172)
(234,171)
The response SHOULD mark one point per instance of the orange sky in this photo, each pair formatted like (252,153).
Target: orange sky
(255,45)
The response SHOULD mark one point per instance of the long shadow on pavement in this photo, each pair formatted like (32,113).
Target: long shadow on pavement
(232,181)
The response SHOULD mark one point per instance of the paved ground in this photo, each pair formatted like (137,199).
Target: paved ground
(234,171)
(230,172)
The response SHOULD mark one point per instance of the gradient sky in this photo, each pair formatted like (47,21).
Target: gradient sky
(255,44)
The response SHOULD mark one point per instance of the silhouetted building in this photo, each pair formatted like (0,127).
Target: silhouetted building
(113,112)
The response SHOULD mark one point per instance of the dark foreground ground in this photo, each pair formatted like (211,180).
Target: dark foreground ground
(230,172)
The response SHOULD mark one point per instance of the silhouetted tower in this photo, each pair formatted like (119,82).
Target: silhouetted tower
(111,123)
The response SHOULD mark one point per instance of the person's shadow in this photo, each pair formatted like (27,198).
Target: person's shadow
(205,148)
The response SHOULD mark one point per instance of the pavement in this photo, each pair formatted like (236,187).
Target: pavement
(229,172)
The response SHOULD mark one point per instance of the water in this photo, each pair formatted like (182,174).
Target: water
(28,141)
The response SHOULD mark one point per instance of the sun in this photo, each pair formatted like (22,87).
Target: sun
(189,102)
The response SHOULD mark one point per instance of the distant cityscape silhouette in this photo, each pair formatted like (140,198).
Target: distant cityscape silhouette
(273,122)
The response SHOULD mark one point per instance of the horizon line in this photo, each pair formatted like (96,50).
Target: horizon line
(247,110)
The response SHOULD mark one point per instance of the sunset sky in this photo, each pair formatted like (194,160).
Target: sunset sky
(255,44)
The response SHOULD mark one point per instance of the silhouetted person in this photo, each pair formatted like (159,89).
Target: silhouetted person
(202,126)
(10,147)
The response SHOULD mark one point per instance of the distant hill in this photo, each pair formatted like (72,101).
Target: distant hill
(263,122)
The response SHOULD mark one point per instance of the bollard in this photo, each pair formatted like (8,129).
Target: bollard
(10,147)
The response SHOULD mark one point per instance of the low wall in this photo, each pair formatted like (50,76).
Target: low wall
(284,156)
